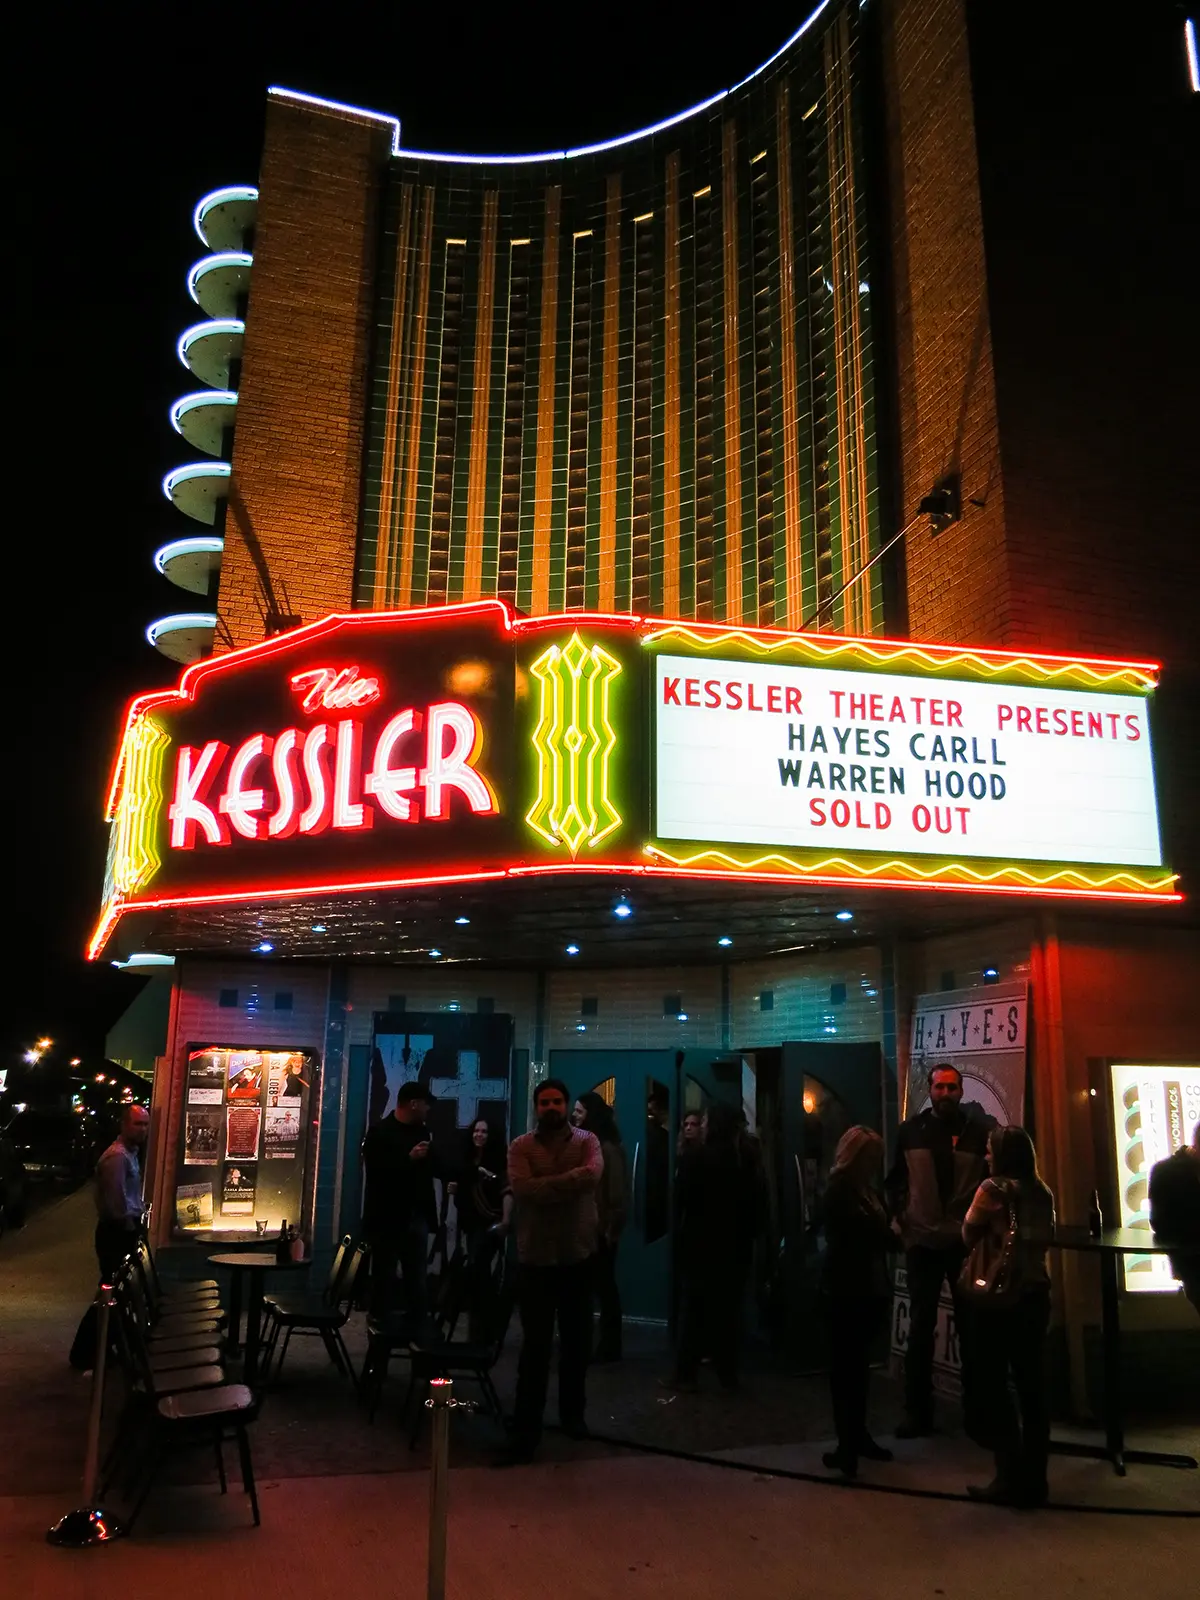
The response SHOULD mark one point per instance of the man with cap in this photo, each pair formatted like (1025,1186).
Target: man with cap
(399,1208)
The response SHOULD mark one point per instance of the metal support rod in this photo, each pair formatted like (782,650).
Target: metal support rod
(440,1402)
(89,1523)
(862,571)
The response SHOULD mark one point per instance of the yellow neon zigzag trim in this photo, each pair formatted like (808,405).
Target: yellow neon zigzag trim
(919,874)
(573,743)
(805,642)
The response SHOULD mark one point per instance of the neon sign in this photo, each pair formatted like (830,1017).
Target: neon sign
(574,742)
(334,689)
(330,789)
(597,743)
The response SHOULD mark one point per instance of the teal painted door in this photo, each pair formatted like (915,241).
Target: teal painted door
(649,1090)
(640,1085)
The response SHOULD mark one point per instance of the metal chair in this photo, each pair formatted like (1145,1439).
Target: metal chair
(472,1359)
(323,1320)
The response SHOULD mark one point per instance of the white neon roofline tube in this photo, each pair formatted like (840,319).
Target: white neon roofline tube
(207,330)
(202,545)
(207,264)
(192,402)
(545,155)
(219,197)
(194,469)
(177,622)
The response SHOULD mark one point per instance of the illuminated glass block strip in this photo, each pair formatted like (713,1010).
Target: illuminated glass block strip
(573,742)
(133,857)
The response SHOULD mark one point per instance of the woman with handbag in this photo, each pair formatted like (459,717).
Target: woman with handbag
(858,1237)
(1006,1281)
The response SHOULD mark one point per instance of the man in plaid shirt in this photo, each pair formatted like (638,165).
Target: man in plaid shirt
(553,1172)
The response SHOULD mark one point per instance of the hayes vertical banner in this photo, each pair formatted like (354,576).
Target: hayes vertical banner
(982,1032)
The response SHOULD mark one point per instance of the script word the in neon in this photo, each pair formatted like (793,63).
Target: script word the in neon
(334,689)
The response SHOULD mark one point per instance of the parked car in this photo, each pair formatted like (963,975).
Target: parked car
(13,1185)
(53,1144)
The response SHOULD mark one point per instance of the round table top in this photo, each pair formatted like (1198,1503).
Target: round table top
(260,1259)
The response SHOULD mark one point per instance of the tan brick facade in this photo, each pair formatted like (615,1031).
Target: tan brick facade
(959,584)
(291,527)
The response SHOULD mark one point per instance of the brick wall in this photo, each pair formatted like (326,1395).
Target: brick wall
(1087,230)
(959,584)
(292,521)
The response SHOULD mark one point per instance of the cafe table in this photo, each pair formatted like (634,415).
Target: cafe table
(1109,1247)
(254,1265)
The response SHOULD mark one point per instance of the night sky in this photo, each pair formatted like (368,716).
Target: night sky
(134,112)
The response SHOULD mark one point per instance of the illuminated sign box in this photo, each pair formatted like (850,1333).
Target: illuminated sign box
(1155,1112)
(382,750)
(775,754)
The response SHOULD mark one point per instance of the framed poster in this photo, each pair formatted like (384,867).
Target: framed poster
(247,1155)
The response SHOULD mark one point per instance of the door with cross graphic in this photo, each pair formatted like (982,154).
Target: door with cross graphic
(464,1062)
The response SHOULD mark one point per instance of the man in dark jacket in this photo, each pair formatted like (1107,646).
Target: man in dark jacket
(940,1162)
(399,1207)
(1175,1211)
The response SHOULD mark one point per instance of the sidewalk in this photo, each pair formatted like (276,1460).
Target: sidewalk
(344,1502)
(591,1530)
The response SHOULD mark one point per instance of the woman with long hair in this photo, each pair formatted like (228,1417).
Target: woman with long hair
(593,1113)
(857,1239)
(1010,1336)
(483,1202)
(718,1199)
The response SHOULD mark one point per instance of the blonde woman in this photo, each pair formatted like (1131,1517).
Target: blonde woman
(858,1237)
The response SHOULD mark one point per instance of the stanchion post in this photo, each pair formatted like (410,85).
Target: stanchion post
(89,1523)
(440,1403)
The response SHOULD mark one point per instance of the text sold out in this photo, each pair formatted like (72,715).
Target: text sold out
(862,816)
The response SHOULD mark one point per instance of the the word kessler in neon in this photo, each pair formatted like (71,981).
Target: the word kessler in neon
(307,780)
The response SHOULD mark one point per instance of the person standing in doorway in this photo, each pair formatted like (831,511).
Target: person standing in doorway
(940,1155)
(857,1238)
(594,1114)
(399,1206)
(554,1173)
(483,1202)
(717,1191)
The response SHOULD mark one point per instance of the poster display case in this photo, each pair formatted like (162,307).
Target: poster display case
(1153,1111)
(248,1139)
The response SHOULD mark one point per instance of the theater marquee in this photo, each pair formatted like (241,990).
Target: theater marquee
(381,750)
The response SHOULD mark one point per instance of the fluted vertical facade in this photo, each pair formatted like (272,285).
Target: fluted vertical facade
(638,378)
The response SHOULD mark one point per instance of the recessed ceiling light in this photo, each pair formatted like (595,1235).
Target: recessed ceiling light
(265,947)
(572,949)
(845,916)
(435,954)
(462,921)
(725,940)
